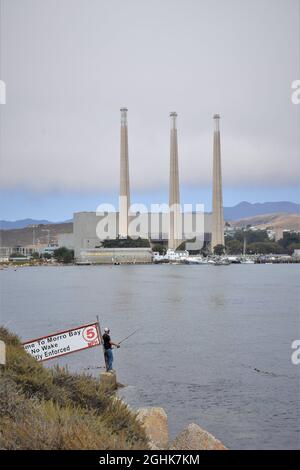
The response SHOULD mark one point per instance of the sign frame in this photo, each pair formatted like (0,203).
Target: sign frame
(95,324)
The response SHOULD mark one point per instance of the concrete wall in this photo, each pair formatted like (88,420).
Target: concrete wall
(66,240)
(87,228)
(115,255)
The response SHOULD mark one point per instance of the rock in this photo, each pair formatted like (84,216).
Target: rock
(155,423)
(195,438)
(108,381)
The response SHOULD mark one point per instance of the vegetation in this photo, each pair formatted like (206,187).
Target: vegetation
(258,242)
(126,243)
(219,250)
(233,247)
(17,255)
(264,248)
(64,255)
(159,248)
(53,409)
(46,255)
(290,241)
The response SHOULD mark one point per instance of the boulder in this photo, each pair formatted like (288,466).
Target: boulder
(195,438)
(155,424)
(108,381)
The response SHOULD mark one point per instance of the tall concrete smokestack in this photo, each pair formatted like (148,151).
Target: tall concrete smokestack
(175,233)
(217,203)
(124,197)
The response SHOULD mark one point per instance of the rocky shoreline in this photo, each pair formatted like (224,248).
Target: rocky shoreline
(193,437)
(154,421)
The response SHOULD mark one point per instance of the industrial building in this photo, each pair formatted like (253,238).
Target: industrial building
(85,228)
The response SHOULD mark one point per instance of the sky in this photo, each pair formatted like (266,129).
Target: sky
(69,65)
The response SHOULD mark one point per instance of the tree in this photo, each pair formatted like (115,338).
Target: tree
(234,247)
(64,255)
(126,243)
(17,255)
(159,249)
(219,250)
(264,248)
(288,238)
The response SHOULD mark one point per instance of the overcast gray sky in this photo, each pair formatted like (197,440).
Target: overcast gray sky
(69,65)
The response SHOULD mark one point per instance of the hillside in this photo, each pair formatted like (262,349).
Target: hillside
(45,409)
(26,236)
(8,225)
(277,222)
(246,209)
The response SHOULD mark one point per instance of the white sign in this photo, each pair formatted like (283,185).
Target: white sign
(64,342)
(2,353)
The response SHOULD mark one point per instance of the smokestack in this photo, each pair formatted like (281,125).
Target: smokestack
(175,234)
(217,203)
(124,197)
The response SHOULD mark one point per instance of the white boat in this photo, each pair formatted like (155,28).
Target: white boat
(158,258)
(176,256)
(247,261)
(196,260)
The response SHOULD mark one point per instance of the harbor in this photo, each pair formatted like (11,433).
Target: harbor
(175,257)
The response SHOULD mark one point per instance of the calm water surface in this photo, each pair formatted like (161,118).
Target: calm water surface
(214,345)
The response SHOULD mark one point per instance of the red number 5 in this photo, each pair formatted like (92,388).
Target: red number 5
(89,333)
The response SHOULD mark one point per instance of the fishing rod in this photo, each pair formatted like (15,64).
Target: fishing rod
(124,339)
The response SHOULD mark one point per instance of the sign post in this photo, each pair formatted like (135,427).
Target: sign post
(64,342)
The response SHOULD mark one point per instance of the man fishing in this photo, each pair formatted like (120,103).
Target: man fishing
(107,343)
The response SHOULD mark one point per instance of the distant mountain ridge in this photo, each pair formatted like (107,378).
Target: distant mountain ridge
(246,209)
(242,210)
(23,223)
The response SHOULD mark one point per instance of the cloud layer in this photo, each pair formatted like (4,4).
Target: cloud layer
(69,66)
